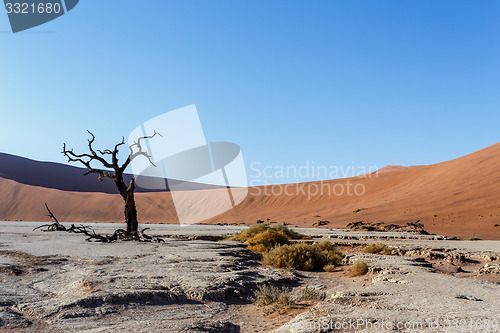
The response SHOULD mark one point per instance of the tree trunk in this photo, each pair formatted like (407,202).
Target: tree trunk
(128,196)
(131,213)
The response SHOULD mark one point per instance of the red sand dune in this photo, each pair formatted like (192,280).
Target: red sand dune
(459,197)
(389,168)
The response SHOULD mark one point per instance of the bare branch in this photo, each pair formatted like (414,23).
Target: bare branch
(86,159)
(117,146)
(94,154)
(56,226)
(104,152)
(51,215)
(140,151)
(114,154)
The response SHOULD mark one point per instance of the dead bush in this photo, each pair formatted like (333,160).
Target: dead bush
(359,267)
(375,248)
(312,294)
(272,298)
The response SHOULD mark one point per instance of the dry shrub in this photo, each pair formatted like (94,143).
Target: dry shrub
(246,234)
(272,298)
(262,237)
(472,238)
(303,256)
(275,299)
(374,248)
(386,252)
(291,234)
(359,267)
(329,268)
(266,240)
(311,294)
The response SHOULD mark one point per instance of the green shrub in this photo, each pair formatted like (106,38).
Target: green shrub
(359,267)
(303,256)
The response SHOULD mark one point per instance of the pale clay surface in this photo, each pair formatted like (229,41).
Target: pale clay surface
(66,284)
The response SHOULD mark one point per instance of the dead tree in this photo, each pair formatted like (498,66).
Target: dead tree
(126,191)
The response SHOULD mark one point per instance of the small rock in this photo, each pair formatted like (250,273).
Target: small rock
(490,269)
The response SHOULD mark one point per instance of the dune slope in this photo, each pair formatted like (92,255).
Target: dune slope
(459,197)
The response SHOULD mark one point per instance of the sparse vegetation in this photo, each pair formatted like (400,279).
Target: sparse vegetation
(377,248)
(320,223)
(272,298)
(362,226)
(312,294)
(276,299)
(381,226)
(329,268)
(268,294)
(359,267)
(266,240)
(291,234)
(262,237)
(386,252)
(303,256)
(356,210)
(472,238)
(248,233)
(274,243)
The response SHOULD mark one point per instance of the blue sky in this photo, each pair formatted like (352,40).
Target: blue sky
(340,83)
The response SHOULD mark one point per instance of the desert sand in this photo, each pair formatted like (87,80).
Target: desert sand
(455,198)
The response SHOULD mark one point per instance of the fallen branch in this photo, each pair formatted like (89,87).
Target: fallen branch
(92,236)
(56,226)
